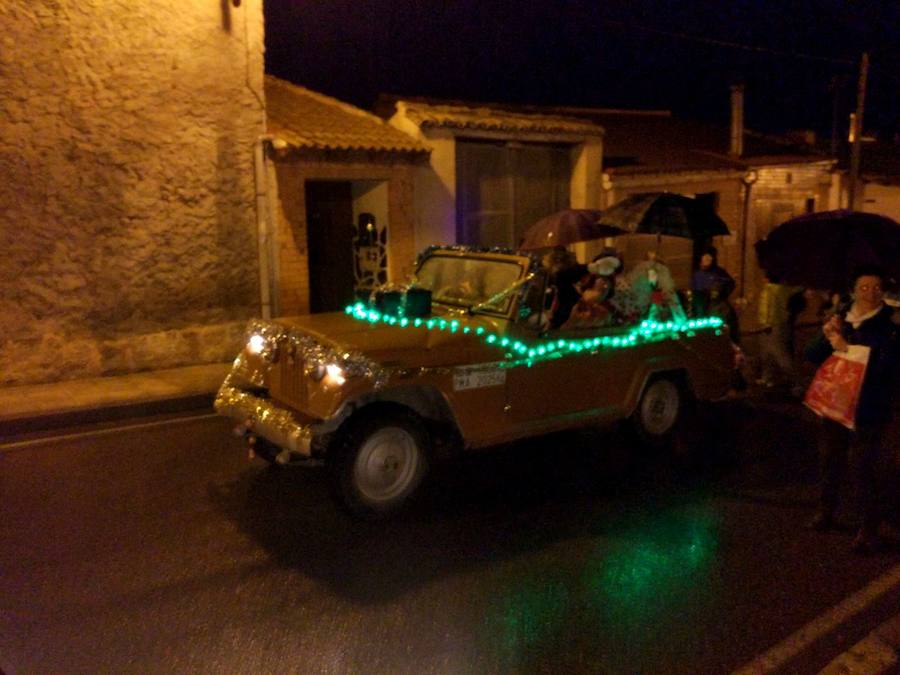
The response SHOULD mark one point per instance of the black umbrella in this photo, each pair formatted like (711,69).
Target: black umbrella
(566,227)
(822,250)
(664,213)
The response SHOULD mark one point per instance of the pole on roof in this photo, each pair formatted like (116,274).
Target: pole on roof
(856,132)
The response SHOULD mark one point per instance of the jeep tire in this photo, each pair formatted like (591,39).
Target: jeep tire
(379,461)
(657,413)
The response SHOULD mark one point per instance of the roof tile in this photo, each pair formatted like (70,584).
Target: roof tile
(307,119)
(485,118)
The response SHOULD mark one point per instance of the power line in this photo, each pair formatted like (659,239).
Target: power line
(725,43)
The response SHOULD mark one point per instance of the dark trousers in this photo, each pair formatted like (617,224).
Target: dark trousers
(863,452)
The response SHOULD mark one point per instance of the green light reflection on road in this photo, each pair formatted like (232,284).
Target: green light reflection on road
(629,582)
(522,618)
(652,568)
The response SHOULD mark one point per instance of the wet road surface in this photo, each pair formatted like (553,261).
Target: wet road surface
(162,549)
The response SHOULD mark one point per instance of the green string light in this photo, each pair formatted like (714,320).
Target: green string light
(646,331)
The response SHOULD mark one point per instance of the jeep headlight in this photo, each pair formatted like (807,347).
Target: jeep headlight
(256,344)
(334,374)
(262,346)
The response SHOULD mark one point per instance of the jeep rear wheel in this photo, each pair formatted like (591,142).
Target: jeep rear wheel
(380,463)
(657,413)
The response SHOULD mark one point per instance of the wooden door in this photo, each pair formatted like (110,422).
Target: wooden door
(329,226)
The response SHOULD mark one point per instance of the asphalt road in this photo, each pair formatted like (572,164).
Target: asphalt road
(160,548)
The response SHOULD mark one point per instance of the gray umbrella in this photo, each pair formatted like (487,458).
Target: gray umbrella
(664,213)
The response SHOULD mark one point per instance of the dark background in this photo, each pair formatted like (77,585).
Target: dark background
(629,53)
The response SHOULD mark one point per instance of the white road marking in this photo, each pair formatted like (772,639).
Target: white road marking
(787,649)
(870,655)
(19,445)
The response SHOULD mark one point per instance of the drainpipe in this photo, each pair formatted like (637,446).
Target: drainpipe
(856,129)
(747,180)
(264,228)
(736,149)
(736,145)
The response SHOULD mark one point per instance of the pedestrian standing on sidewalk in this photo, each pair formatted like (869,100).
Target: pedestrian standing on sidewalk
(775,348)
(869,322)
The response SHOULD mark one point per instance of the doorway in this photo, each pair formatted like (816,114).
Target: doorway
(329,237)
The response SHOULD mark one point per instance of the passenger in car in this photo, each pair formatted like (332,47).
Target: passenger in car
(595,308)
(592,309)
(569,285)
(621,298)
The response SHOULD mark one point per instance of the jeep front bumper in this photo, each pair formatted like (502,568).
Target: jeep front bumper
(262,417)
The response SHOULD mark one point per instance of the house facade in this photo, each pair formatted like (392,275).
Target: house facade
(779,188)
(340,197)
(128,220)
(492,172)
(753,181)
(878,186)
(645,153)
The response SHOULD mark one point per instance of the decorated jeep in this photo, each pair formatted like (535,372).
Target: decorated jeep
(462,358)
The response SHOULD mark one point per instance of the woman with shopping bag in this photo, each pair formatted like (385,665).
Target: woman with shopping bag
(853,393)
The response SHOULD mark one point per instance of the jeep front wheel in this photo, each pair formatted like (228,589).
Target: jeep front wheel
(380,462)
(656,415)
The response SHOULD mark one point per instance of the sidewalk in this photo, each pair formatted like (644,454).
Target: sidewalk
(40,407)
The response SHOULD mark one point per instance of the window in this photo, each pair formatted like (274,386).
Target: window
(470,282)
(502,188)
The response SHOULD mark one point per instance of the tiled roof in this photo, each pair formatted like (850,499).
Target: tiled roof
(879,160)
(306,119)
(637,143)
(486,118)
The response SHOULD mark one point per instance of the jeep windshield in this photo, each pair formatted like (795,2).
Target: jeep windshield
(481,284)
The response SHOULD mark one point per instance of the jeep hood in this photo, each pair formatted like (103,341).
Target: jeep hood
(395,346)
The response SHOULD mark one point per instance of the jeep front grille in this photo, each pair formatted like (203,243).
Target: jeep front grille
(288,381)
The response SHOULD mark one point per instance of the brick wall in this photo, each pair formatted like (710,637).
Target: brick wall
(291,242)
(780,193)
(127,215)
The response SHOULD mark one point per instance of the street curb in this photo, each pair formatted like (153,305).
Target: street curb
(13,427)
(876,654)
(44,407)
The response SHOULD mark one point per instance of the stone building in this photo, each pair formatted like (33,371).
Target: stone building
(128,216)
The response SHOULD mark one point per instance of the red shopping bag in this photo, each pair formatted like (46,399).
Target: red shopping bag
(834,392)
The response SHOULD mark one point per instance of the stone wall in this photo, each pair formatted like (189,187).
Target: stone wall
(127,213)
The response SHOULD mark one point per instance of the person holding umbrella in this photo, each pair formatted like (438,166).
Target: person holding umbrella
(869,322)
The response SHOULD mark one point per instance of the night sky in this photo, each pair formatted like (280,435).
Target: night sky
(630,53)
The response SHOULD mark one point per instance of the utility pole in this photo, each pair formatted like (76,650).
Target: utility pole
(856,131)
(835,89)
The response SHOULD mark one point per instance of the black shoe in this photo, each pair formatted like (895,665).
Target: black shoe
(865,543)
(821,522)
